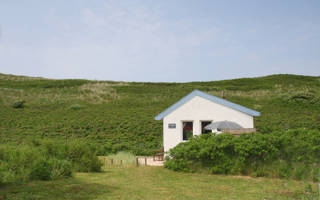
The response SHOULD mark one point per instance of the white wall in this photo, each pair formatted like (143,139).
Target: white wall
(199,109)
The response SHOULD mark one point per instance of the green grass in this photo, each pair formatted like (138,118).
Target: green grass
(155,183)
(119,116)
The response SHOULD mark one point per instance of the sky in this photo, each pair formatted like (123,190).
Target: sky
(159,40)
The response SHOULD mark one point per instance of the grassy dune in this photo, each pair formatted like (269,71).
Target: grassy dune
(120,115)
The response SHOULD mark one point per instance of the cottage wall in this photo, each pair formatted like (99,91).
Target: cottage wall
(196,110)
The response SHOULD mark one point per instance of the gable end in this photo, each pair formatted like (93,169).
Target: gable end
(210,98)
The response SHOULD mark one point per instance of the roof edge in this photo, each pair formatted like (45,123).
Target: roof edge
(176,105)
(208,97)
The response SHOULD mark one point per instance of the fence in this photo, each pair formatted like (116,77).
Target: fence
(111,161)
(149,160)
(139,161)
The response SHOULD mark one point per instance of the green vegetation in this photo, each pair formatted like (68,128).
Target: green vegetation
(53,129)
(18,104)
(159,183)
(126,158)
(46,160)
(289,154)
(119,116)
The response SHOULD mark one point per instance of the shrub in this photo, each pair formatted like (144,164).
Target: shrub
(46,160)
(40,170)
(5,174)
(284,170)
(50,169)
(82,155)
(292,153)
(76,107)
(300,172)
(178,165)
(18,104)
(89,163)
(60,169)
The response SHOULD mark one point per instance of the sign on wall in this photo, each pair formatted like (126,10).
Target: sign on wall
(172,126)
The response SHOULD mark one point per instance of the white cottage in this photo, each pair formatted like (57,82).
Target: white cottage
(192,113)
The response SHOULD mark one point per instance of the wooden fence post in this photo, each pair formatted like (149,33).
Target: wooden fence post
(111,161)
(137,161)
(120,162)
(319,190)
(145,161)
(104,160)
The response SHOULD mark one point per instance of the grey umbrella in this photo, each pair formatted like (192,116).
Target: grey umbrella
(222,125)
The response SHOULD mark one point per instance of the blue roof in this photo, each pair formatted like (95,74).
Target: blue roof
(208,97)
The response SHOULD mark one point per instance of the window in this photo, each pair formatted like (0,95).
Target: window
(187,131)
(172,126)
(204,124)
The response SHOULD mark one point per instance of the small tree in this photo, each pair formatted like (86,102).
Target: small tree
(18,104)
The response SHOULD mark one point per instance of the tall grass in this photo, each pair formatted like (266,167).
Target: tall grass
(46,160)
(122,157)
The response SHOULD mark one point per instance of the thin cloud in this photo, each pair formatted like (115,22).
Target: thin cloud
(141,41)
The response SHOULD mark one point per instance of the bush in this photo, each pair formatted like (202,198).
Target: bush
(76,107)
(89,163)
(292,153)
(316,174)
(5,175)
(50,169)
(284,170)
(18,104)
(82,155)
(60,169)
(40,170)
(46,160)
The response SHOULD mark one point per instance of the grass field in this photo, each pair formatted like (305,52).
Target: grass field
(156,183)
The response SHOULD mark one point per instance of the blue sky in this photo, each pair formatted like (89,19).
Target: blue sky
(152,40)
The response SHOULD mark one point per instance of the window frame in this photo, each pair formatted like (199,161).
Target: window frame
(201,121)
(185,121)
